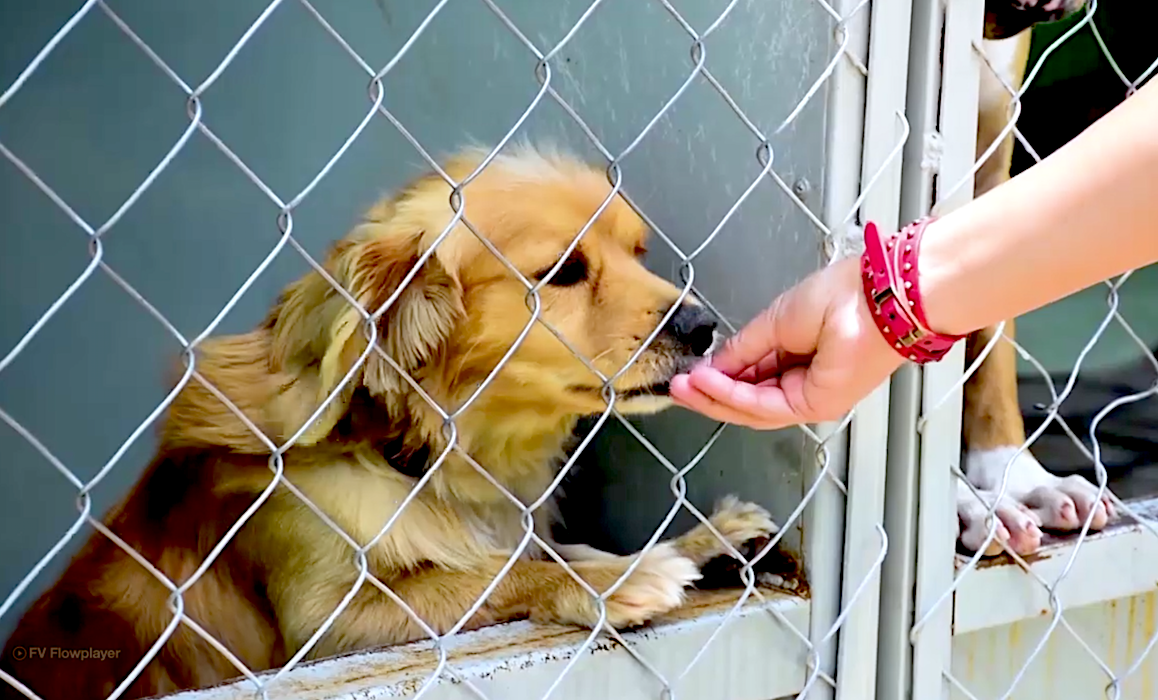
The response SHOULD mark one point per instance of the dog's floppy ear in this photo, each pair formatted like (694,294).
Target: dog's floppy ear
(318,335)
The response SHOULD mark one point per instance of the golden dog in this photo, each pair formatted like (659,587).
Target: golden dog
(286,570)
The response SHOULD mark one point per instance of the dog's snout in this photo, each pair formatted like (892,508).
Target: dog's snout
(693,327)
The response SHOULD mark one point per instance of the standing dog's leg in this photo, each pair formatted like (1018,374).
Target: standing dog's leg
(994,431)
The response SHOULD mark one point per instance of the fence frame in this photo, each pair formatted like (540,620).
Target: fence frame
(846,541)
(860,612)
(870,431)
(942,99)
(917,646)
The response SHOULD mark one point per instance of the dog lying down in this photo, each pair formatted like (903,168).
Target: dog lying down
(286,571)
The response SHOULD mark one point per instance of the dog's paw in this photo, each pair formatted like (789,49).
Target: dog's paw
(1007,18)
(657,585)
(740,523)
(1053,6)
(1066,502)
(1017,527)
(1034,500)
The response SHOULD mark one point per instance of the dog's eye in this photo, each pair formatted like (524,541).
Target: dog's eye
(569,273)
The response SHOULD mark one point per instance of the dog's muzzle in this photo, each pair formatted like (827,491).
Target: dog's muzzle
(693,328)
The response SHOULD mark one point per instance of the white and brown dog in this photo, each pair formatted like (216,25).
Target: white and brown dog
(994,430)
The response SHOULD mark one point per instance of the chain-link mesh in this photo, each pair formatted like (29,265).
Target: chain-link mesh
(1031,639)
(543,79)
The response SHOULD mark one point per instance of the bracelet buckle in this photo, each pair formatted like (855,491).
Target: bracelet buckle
(914,334)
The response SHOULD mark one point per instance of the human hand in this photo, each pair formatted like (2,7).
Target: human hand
(807,358)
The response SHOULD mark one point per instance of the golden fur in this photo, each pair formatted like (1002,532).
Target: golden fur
(285,572)
(992,415)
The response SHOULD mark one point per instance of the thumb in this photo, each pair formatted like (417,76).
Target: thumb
(784,328)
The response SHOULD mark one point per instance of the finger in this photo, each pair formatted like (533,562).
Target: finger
(689,397)
(752,343)
(749,376)
(765,402)
(771,366)
(790,325)
(825,390)
(802,394)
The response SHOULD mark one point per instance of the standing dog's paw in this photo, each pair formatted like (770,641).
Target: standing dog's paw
(1034,500)
(656,586)
(1065,502)
(1017,528)
(1007,18)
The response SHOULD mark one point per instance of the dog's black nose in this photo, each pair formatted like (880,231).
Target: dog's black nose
(693,327)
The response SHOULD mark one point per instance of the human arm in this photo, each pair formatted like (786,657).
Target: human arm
(1087,212)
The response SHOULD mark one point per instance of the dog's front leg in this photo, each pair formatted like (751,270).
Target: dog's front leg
(745,528)
(542,591)
(740,523)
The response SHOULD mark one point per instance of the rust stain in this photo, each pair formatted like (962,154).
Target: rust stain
(1112,639)
(1148,624)
(1131,627)
(1120,631)
(1004,559)
(1052,545)
(1050,673)
(1012,644)
(1145,674)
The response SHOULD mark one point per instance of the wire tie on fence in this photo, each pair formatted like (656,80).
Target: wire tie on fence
(933,151)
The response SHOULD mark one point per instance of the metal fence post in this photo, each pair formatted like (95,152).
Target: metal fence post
(884,129)
(942,98)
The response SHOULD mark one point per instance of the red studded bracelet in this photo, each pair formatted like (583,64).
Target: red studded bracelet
(889,267)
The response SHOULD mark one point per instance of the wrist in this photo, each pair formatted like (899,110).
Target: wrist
(940,269)
(874,341)
(891,284)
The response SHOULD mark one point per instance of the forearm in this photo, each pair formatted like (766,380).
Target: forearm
(1086,213)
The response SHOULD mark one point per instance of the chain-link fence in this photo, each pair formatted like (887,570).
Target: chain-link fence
(1051,590)
(171,167)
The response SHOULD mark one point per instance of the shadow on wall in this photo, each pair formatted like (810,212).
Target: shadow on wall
(1076,86)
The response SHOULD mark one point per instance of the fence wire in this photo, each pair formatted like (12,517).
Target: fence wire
(1015,500)
(269,683)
